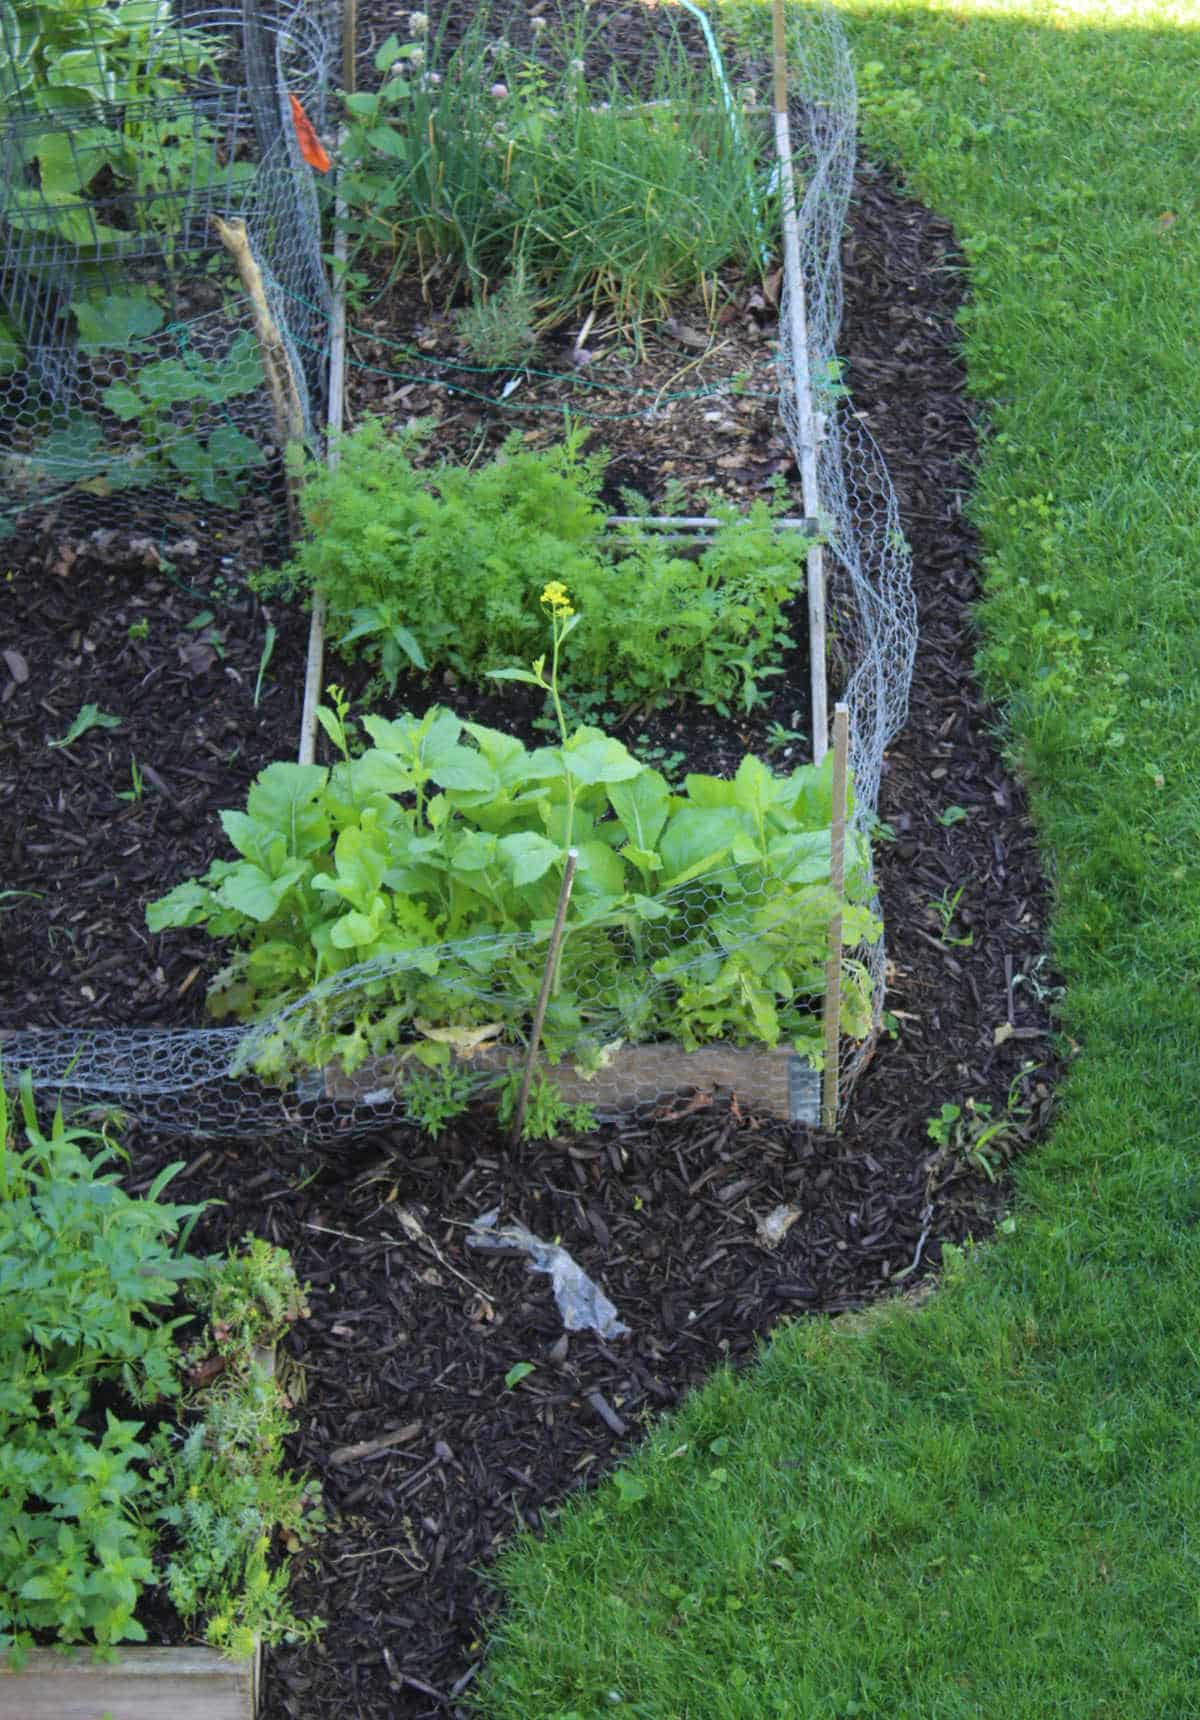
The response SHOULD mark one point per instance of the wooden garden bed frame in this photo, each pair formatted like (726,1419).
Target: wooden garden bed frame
(188,1683)
(779,1082)
(143,1684)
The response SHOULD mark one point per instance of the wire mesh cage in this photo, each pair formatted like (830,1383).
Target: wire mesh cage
(323,1065)
(132,381)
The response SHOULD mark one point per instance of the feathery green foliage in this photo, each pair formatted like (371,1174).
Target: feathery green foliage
(443,567)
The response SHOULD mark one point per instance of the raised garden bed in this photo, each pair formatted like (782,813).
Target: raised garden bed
(142,1684)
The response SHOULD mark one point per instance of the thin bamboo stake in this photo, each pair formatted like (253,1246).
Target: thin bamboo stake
(314,667)
(798,339)
(539,1014)
(837,883)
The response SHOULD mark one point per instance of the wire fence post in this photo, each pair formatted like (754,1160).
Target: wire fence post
(837,883)
(314,667)
(539,1014)
(797,331)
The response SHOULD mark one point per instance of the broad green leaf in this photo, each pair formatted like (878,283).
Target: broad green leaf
(754,785)
(185,905)
(696,840)
(284,795)
(544,764)
(117,320)
(502,751)
(591,756)
(515,675)
(360,862)
(387,54)
(169,380)
(530,855)
(375,772)
(69,160)
(710,791)
(353,931)
(473,852)
(642,805)
(801,858)
(460,767)
(251,891)
(232,452)
(408,643)
(600,869)
(71,453)
(251,839)
(89,717)
(808,793)
(123,402)
(645,859)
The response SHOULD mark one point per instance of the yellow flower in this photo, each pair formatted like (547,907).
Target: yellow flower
(557,598)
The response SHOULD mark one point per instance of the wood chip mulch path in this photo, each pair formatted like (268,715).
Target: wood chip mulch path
(428,1461)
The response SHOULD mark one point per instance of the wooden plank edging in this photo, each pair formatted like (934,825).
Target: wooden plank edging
(778,1081)
(191,1683)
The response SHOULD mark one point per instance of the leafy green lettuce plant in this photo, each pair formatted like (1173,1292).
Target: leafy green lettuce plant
(435,856)
(441,568)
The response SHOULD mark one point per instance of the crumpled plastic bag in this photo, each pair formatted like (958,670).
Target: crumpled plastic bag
(583,1305)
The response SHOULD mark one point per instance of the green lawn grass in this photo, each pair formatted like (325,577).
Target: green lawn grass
(990,1506)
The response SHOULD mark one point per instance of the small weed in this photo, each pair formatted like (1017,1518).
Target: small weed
(977,1134)
(780,739)
(945,908)
(137,788)
(139,629)
(264,660)
(89,717)
(547,1114)
(434,1097)
(498,331)
(518,1372)
(204,625)
(952,815)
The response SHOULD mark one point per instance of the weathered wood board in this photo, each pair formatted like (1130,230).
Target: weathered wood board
(779,1081)
(145,1684)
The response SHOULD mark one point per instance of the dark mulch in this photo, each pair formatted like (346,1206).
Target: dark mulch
(412,1333)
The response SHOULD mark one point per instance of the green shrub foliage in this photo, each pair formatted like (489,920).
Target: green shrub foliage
(90,1281)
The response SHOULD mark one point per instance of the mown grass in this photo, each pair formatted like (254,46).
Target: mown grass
(990,1506)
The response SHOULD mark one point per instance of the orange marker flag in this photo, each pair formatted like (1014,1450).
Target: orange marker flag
(311,147)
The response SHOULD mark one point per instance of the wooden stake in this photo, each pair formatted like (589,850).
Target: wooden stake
(314,668)
(349,44)
(539,1014)
(286,408)
(315,665)
(837,883)
(798,340)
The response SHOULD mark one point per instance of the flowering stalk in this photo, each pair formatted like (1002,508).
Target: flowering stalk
(556,600)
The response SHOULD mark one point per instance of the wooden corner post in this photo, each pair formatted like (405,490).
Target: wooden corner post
(837,883)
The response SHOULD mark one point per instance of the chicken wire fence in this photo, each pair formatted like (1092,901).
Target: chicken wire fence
(133,398)
(327,1064)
